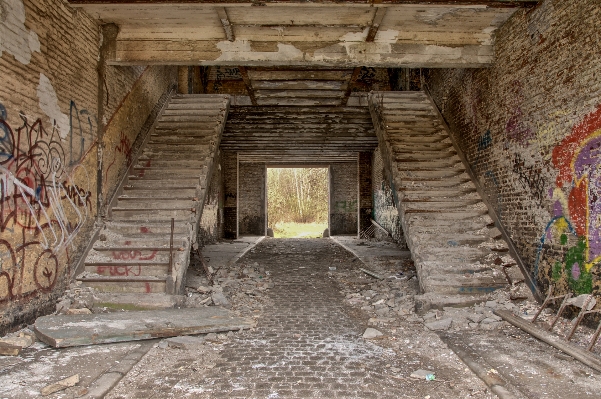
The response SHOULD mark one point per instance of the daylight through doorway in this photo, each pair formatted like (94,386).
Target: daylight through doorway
(297,202)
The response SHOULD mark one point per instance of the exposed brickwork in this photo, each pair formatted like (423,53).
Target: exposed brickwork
(251,211)
(365,190)
(530,127)
(343,198)
(384,208)
(211,222)
(48,151)
(230,189)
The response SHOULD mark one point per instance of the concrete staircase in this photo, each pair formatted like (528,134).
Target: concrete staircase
(139,249)
(457,251)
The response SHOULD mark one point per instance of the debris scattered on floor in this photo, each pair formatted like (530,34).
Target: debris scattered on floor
(423,375)
(371,333)
(60,385)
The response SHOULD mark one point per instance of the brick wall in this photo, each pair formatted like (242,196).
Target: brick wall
(530,127)
(251,207)
(230,189)
(365,190)
(49,101)
(343,198)
(384,209)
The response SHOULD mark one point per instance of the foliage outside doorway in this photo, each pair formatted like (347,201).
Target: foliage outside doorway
(297,201)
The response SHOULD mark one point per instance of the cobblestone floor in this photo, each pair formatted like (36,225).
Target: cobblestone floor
(308,344)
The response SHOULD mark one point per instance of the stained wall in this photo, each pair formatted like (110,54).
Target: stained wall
(530,127)
(50,151)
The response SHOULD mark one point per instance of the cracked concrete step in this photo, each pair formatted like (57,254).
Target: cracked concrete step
(433,185)
(145,228)
(140,284)
(440,196)
(407,153)
(432,164)
(177,192)
(138,269)
(155,203)
(166,163)
(173,172)
(413,137)
(461,285)
(431,174)
(182,214)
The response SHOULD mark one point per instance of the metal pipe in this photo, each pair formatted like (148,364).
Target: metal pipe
(561,308)
(583,312)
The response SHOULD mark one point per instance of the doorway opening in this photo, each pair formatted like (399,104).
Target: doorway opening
(298,201)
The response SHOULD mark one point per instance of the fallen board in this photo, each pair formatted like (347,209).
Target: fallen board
(75,330)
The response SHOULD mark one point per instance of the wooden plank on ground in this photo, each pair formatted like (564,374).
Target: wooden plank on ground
(62,331)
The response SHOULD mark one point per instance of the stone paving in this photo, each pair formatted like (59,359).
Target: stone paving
(307,344)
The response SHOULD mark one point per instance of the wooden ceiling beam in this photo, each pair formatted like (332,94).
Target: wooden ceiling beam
(289,3)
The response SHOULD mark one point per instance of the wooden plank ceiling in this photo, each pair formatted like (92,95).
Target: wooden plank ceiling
(299,134)
(342,34)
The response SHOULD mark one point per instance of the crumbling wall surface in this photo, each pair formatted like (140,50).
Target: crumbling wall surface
(343,198)
(211,221)
(133,97)
(530,127)
(251,211)
(48,148)
(384,209)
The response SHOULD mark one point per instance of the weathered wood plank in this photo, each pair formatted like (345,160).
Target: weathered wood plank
(131,52)
(299,85)
(319,75)
(74,330)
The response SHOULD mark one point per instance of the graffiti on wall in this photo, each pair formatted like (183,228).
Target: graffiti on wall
(42,208)
(576,222)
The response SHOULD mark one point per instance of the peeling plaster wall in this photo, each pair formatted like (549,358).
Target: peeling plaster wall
(343,198)
(530,127)
(48,146)
(384,209)
(211,222)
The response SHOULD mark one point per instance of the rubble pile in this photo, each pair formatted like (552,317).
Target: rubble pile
(389,301)
(239,287)
(78,299)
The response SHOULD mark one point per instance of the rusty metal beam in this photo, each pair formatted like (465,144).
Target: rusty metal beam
(349,86)
(375,24)
(248,83)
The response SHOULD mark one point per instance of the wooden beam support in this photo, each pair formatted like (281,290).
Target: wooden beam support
(225,21)
(248,83)
(488,3)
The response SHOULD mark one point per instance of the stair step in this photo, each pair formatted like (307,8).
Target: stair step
(139,284)
(154,203)
(129,214)
(126,269)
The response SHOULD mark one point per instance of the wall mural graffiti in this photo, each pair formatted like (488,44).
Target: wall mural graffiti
(42,208)
(576,224)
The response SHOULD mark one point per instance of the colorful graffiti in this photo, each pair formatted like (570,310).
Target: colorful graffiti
(576,224)
(42,208)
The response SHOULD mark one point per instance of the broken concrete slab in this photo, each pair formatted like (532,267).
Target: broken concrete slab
(60,385)
(439,325)
(9,349)
(73,330)
(371,333)
(133,301)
